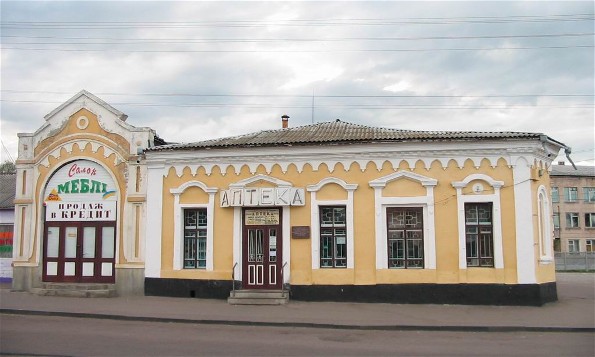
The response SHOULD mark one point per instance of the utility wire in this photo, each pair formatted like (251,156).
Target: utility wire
(294,51)
(105,25)
(128,41)
(307,106)
(309,96)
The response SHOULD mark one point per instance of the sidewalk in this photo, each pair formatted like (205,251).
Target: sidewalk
(575,311)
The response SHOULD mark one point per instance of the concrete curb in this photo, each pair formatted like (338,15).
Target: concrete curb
(450,328)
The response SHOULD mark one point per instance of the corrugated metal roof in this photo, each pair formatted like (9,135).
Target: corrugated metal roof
(568,170)
(8,184)
(339,132)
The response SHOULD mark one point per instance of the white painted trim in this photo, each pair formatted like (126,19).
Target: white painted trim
(286,211)
(237,241)
(423,180)
(155,174)
(525,249)
(324,181)
(496,216)
(315,218)
(546,231)
(179,227)
(426,202)
(360,153)
(315,221)
(256,178)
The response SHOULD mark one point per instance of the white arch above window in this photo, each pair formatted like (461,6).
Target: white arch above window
(423,180)
(183,187)
(270,179)
(482,177)
(325,181)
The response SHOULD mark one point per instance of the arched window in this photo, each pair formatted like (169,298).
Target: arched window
(544,226)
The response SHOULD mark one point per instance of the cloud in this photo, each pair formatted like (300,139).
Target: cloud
(265,59)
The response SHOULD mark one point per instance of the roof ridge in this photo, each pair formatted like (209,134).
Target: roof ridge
(339,131)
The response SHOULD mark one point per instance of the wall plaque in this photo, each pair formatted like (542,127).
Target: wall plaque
(300,232)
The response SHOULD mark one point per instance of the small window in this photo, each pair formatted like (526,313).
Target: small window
(589,194)
(195,238)
(405,237)
(555,195)
(573,246)
(570,194)
(572,220)
(590,220)
(333,237)
(556,217)
(590,245)
(479,234)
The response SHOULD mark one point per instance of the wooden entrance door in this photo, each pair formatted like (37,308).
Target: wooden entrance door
(79,252)
(262,249)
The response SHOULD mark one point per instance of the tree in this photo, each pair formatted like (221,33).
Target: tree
(8,167)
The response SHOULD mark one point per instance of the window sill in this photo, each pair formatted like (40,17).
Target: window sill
(546,261)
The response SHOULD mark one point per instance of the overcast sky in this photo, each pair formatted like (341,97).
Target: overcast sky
(200,70)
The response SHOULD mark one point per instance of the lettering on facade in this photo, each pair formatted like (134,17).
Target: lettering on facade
(75,170)
(268,196)
(261,217)
(82,186)
(81,211)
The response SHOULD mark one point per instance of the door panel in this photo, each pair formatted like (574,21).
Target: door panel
(261,250)
(79,252)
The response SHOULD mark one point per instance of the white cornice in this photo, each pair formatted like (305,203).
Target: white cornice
(348,155)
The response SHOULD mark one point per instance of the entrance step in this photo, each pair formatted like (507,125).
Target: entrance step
(76,290)
(258,297)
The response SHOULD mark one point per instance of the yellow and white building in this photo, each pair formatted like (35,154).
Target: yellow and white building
(329,211)
(80,203)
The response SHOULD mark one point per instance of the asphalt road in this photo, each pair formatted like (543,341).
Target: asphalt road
(61,336)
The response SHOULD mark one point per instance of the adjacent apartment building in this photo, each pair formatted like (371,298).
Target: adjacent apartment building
(573,200)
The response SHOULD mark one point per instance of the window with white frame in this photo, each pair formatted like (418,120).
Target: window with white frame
(480,223)
(573,246)
(555,195)
(333,237)
(589,193)
(590,220)
(193,229)
(405,231)
(572,220)
(590,245)
(195,238)
(479,234)
(570,194)
(332,226)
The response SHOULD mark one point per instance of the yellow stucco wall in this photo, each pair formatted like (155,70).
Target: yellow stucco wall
(364,272)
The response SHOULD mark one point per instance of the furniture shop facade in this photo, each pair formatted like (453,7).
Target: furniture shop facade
(80,199)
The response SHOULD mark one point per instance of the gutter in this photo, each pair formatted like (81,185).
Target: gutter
(567,149)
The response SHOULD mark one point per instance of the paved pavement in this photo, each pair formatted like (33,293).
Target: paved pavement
(574,312)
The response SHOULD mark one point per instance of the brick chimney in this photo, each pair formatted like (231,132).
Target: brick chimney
(285,121)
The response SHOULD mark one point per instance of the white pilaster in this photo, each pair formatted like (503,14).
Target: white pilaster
(525,249)
(154,218)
